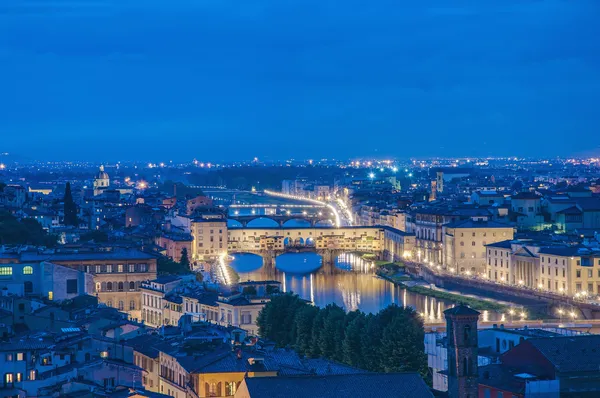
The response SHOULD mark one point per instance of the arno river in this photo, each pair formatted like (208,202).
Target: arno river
(352,283)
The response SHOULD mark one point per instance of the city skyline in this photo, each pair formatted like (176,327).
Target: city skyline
(108,81)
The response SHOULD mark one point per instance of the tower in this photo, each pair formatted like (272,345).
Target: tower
(101,181)
(461,329)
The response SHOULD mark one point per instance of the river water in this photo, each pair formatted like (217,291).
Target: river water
(351,284)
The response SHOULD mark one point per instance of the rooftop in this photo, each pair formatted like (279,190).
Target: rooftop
(366,385)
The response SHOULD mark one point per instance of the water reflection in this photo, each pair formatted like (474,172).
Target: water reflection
(353,284)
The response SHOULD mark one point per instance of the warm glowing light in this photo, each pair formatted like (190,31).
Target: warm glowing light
(394,169)
(371,175)
(521,282)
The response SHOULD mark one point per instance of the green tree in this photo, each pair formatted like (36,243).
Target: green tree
(96,236)
(185,261)
(24,232)
(275,321)
(70,207)
(249,291)
(352,344)
(303,324)
(331,336)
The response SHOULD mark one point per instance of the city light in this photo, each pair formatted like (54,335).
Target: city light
(371,175)
(573,315)
(394,169)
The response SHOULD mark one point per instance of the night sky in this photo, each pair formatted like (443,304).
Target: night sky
(224,79)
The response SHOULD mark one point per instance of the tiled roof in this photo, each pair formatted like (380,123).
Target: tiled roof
(505,244)
(461,310)
(364,385)
(571,353)
(477,224)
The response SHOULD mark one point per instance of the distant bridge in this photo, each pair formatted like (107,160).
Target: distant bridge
(281,219)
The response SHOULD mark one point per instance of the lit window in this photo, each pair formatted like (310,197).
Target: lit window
(28,270)
(8,378)
(20,356)
(5,271)
(50,295)
(32,374)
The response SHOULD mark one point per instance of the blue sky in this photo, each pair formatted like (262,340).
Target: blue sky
(224,79)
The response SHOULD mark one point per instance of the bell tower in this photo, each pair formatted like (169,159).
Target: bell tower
(461,329)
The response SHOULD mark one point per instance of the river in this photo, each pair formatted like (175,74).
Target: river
(352,284)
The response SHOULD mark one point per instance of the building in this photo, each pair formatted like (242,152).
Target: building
(465,244)
(461,326)
(365,385)
(526,210)
(564,366)
(199,202)
(175,243)
(210,237)
(45,279)
(560,269)
(101,182)
(117,274)
(154,300)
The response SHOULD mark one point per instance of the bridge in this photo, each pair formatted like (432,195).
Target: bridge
(384,242)
(281,219)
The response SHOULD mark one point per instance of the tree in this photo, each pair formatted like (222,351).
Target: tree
(24,232)
(303,324)
(249,291)
(95,235)
(70,207)
(275,321)
(185,261)
(352,344)
(331,335)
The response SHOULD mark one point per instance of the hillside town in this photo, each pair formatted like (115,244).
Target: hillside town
(117,281)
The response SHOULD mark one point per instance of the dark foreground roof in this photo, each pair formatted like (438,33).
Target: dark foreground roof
(366,385)
(572,353)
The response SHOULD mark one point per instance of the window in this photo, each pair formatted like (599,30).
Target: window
(132,305)
(131,285)
(50,295)
(473,243)
(121,305)
(28,270)
(230,388)
(108,267)
(5,271)
(120,286)
(120,268)
(590,273)
(71,286)
(20,356)
(9,357)
(32,374)
(19,377)
(109,286)
(8,378)
(131,267)
(578,273)
(28,287)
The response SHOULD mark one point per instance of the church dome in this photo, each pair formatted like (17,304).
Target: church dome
(102,175)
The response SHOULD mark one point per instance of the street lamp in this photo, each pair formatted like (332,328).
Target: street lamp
(573,315)
(371,175)
(560,313)
(523,315)
(511,312)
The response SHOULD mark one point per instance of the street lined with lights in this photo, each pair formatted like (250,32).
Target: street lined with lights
(337,222)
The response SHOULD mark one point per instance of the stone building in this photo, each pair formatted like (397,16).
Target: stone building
(465,244)
(461,326)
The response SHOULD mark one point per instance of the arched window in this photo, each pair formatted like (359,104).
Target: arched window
(28,287)
(467,334)
(98,287)
(121,305)
(28,270)
(109,286)
(109,302)
(120,286)
(103,287)
(132,305)
(131,285)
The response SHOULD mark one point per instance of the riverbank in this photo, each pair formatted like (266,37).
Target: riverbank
(476,304)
